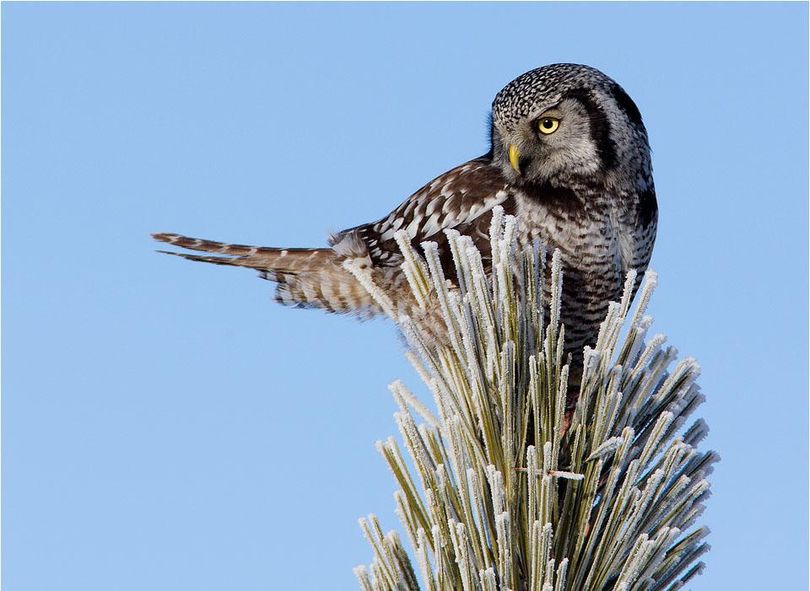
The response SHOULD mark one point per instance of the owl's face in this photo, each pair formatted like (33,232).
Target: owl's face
(568,121)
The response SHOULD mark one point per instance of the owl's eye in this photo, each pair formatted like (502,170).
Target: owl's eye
(548,125)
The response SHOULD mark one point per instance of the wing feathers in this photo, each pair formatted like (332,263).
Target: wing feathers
(461,198)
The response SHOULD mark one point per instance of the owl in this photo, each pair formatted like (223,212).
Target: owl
(568,157)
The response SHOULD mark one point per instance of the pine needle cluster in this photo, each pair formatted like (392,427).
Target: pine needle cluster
(495,491)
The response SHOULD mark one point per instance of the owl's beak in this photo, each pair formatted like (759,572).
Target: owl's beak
(514,157)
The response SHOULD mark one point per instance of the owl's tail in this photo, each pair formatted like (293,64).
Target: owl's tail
(306,277)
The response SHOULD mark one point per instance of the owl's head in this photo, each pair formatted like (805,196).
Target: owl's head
(569,122)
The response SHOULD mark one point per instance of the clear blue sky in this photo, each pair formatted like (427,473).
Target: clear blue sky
(166,426)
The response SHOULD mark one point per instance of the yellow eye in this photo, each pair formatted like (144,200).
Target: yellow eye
(548,125)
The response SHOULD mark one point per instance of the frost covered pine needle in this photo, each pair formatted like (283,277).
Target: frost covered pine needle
(609,505)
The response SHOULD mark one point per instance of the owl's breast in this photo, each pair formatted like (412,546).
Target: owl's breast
(600,240)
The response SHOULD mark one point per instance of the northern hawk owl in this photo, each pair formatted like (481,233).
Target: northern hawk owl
(568,157)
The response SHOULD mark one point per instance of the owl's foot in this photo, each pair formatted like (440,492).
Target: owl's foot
(566,423)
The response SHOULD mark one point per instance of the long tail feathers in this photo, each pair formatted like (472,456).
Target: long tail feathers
(306,277)
(240,255)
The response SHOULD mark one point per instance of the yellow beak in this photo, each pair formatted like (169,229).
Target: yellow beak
(514,158)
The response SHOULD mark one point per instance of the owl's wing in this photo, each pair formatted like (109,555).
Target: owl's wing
(461,199)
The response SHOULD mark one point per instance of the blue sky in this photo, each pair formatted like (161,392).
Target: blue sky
(166,426)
